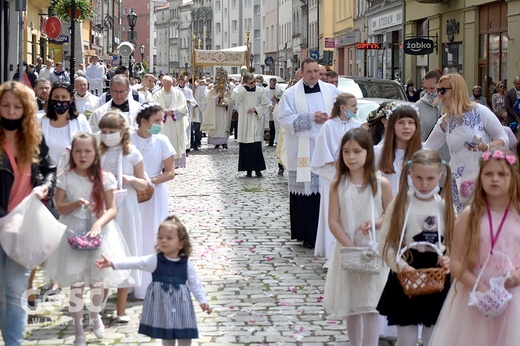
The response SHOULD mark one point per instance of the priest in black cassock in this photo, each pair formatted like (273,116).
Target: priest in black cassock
(303,109)
(252,103)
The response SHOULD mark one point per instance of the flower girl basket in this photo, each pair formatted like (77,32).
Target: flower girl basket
(364,259)
(494,301)
(421,281)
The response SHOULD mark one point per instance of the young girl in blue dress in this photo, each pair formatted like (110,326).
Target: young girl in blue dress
(168,311)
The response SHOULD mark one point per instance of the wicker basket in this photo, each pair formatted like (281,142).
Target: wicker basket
(145,195)
(422,281)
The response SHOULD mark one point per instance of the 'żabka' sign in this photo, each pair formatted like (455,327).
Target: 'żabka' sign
(418,46)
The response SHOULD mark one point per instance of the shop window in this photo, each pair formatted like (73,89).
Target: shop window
(452,57)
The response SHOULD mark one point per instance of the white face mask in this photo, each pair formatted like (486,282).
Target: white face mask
(111,139)
(421,195)
(428,195)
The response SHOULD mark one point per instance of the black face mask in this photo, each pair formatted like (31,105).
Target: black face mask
(60,106)
(11,125)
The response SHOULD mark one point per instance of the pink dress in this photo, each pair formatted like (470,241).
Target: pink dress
(459,324)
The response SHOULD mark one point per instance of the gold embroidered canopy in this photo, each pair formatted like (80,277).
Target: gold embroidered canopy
(237,56)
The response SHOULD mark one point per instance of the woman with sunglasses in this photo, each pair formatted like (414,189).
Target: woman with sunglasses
(497,101)
(467,127)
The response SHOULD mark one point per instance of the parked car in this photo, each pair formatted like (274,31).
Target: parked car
(373,87)
(348,85)
(368,104)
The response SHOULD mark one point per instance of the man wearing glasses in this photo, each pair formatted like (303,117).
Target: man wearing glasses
(119,89)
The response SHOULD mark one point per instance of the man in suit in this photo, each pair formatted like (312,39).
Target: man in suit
(511,97)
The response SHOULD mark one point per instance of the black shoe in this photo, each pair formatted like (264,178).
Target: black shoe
(224,146)
(187,151)
(308,245)
(258,174)
(217,146)
(196,149)
(249,174)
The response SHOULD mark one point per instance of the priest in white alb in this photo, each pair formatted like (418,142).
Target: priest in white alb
(253,102)
(302,111)
(217,115)
(173,103)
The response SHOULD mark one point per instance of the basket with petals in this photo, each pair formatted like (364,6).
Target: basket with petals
(422,281)
(79,241)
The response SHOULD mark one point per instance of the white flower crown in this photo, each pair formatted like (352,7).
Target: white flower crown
(395,106)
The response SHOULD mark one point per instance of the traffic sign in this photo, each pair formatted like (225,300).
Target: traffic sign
(53,27)
(315,54)
(269,60)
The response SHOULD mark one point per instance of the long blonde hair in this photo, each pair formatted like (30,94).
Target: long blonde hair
(471,244)
(29,136)
(425,157)
(460,102)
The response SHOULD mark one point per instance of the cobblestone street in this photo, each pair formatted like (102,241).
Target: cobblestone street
(264,288)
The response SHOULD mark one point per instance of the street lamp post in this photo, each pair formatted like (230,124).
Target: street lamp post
(141,50)
(72,40)
(252,59)
(132,20)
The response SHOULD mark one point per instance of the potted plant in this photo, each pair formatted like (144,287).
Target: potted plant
(62,8)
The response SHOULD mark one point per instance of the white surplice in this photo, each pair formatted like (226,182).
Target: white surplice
(174,130)
(326,153)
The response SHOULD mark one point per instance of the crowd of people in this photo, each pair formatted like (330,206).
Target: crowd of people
(437,171)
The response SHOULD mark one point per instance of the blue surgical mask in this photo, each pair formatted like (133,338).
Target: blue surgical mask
(349,114)
(432,97)
(155,129)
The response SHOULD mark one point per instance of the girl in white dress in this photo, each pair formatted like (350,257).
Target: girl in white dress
(342,119)
(87,185)
(402,139)
(354,295)
(159,165)
(121,158)
(62,121)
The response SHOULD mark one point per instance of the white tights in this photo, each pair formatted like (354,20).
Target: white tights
(76,306)
(363,330)
(180,342)
(407,335)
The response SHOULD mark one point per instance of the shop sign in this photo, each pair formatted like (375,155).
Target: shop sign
(330,42)
(348,39)
(368,46)
(61,39)
(387,20)
(418,46)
